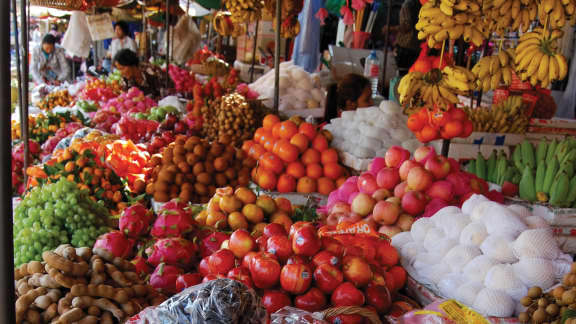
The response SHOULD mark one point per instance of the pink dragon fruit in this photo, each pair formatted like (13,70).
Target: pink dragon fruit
(174,204)
(116,243)
(135,220)
(173,222)
(164,278)
(142,268)
(172,251)
(211,243)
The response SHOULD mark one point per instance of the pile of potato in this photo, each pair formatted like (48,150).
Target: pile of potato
(191,169)
(78,285)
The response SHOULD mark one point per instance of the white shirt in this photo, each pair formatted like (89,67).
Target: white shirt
(120,44)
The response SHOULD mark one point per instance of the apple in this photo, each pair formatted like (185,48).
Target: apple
(405,222)
(423,153)
(379,297)
(381,194)
(414,202)
(399,275)
(298,225)
(247,260)
(400,189)
(241,242)
(221,261)
(395,156)
(188,280)
(363,204)
(406,167)
(262,242)
(274,300)
(325,257)
(265,271)
(211,277)
(378,279)
(509,189)
(203,267)
(367,183)
(439,166)
(419,179)
(356,270)
(346,319)
(442,189)
(305,241)
(296,278)
(274,229)
(388,178)
(386,213)
(331,244)
(280,246)
(241,274)
(312,301)
(377,164)
(297,259)
(328,277)
(346,294)
(389,230)
(371,222)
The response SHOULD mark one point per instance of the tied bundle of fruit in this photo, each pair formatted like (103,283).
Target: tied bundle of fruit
(191,168)
(224,26)
(242,209)
(557,12)
(506,117)
(43,126)
(505,15)
(428,125)
(244,11)
(440,20)
(437,87)
(294,158)
(538,58)
(491,71)
(100,90)
(56,99)
(78,285)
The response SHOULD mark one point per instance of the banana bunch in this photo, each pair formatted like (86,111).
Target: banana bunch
(493,70)
(223,25)
(506,117)
(496,169)
(505,15)
(289,27)
(557,12)
(244,11)
(440,87)
(440,20)
(537,57)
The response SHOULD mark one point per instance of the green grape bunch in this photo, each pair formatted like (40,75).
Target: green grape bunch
(53,214)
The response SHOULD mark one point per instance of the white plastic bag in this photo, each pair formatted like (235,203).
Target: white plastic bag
(77,40)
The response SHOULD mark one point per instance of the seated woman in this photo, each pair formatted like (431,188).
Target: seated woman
(353,91)
(147,77)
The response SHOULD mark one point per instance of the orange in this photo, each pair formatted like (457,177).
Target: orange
(269,121)
(428,133)
(282,218)
(306,185)
(258,134)
(320,143)
(247,145)
(340,181)
(270,161)
(310,156)
(333,170)
(288,129)
(414,123)
(256,151)
(284,204)
(300,141)
(453,128)
(329,156)
(266,179)
(287,152)
(276,130)
(326,186)
(286,183)
(423,114)
(296,169)
(268,143)
(314,171)
(458,114)
(307,129)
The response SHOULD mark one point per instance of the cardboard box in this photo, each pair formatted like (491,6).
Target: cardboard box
(470,151)
(491,139)
(554,123)
(265,41)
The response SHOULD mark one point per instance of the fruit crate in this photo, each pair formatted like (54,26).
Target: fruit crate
(461,151)
(491,139)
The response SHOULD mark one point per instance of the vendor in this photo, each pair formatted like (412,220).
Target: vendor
(49,64)
(122,40)
(353,91)
(148,78)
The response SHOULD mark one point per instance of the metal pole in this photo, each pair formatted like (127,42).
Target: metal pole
(277,55)
(386,38)
(7,294)
(445,147)
(254,52)
(25,84)
(18,64)
(167,42)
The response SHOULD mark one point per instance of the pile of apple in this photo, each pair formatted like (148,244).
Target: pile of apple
(396,189)
(308,268)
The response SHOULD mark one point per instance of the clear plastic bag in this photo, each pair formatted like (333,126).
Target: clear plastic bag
(222,301)
(291,315)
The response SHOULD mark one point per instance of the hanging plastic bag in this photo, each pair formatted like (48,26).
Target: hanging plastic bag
(77,38)
(186,39)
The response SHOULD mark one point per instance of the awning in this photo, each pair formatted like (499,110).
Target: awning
(36,11)
(210,4)
(194,10)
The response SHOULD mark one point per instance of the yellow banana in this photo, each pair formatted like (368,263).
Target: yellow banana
(534,63)
(495,80)
(562,66)
(543,67)
(553,69)
(507,76)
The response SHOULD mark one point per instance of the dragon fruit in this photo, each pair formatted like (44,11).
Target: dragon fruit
(116,243)
(164,278)
(172,251)
(135,220)
(174,222)
(174,204)
(211,243)
(142,268)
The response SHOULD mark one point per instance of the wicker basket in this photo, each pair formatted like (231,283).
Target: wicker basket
(351,310)
(61,4)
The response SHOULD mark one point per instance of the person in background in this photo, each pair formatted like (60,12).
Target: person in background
(122,40)
(54,32)
(36,35)
(49,64)
(148,78)
(353,91)
(407,43)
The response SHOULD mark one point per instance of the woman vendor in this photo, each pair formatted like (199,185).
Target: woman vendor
(148,78)
(353,91)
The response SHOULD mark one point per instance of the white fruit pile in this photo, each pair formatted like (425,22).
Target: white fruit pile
(485,255)
(366,133)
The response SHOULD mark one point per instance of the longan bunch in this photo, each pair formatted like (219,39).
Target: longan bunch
(230,117)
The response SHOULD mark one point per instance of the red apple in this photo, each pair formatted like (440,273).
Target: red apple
(419,179)
(241,274)
(312,301)
(280,246)
(414,202)
(274,229)
(388,178)
(379,297)
(274,300)
(297,259)
(509,189)
(241,242)
(262,242)
(381,194)
(400,190)
(367,183)
(423,153)
(328,278)
(296,278)
(386,213)
(221,261)
(211,277)
(305,241)
(363,204)
(203,267)
(357,271)
(188,280)
(330,244)
(406,167)
(378,279)
(265,271)
(442,190)
(439,166)
(298,225)
(327,257)
(247,260)
(347,295)
(395,156)
(386,254)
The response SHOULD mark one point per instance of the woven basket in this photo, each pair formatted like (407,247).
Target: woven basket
(353,310)
(60,4)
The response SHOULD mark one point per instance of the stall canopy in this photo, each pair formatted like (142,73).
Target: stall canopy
(211,4)
(41,12)
(194,9)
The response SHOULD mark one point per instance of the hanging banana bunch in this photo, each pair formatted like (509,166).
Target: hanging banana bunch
(290,26)
(557,12)
(505,15)
(224,26)
(244,11)
(491,71)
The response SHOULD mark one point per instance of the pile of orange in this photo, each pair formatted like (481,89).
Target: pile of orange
(293,158)
(428,125)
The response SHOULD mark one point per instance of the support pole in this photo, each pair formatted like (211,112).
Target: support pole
(254,51)
(386,39)
(277,55)
(18,64)
(25,84)
(7,294)
(445,147)
(167,43)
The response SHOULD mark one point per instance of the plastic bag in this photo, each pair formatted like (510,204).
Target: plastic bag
(292,315)
(186,39)
(77,38)
(223,301)
(443,312)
